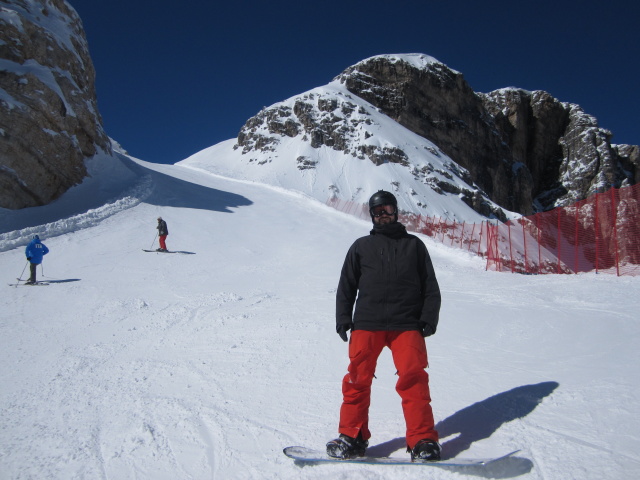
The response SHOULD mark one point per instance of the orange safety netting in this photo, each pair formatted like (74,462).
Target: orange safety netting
(600,233)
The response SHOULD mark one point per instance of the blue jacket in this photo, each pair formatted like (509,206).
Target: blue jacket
(35,251)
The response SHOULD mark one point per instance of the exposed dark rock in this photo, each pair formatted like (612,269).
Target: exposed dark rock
(438,104)
(568,155)
(49,121)
(526,150)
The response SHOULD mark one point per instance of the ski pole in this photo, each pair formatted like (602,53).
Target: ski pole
(154,241)
(20,277)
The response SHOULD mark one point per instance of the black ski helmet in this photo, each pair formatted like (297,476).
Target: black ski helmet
(382,197)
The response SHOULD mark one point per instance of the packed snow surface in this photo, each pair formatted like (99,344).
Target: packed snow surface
(207,362)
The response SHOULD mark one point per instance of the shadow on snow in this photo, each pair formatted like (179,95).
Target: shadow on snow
(96,199)
(478,422)
(169,191)
(482,419)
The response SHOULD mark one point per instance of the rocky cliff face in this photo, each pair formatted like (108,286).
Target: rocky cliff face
(567,154)
(526,150)
(49,121)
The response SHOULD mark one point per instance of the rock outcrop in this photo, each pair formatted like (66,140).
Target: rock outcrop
(568,155)
(49,120)
(527,150)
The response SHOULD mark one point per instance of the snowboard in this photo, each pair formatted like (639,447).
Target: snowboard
(309,455)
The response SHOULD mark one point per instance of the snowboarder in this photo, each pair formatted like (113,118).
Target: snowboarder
(34,252)
(163,231)
(398,303)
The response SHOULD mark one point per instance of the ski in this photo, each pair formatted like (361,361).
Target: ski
(37,284)
(169,251)
(309,455)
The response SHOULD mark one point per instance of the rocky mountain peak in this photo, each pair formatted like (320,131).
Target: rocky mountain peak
(333,132)
(527,150)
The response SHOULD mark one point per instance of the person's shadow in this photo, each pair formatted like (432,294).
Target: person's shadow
(482,419)
(479,421)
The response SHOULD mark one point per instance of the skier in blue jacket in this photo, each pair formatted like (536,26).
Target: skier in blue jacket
(34,252)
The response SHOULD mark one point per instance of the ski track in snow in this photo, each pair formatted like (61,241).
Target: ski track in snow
(207,365)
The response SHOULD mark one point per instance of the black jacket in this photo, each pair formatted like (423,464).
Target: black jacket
(391,274)
(162,228)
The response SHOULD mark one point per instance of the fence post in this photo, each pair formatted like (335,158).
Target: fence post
(558,239)
(595,229)
(510,247)
(537,217)
(453,235)
(575,243)
(487,242)
(614,220)
(524,241)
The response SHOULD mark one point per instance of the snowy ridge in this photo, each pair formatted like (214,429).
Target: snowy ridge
(417,60)
(329,143)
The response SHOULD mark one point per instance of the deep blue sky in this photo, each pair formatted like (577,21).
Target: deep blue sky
(175,77)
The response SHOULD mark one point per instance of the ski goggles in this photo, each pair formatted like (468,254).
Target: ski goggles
(380,210)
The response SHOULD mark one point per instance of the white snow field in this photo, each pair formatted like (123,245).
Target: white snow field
(205,364)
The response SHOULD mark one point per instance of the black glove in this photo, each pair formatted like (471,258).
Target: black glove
(29,258)
(427,330)
(342,330)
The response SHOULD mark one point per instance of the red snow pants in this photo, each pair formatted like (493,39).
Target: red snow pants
(162,239)
(409,353)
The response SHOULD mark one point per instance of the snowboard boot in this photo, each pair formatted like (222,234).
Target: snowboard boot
(347,447)
(425,451)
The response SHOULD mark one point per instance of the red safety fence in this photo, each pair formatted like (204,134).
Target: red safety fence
(600,233)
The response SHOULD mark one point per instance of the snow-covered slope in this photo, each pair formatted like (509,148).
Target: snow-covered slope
(204,364)
(329,143)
